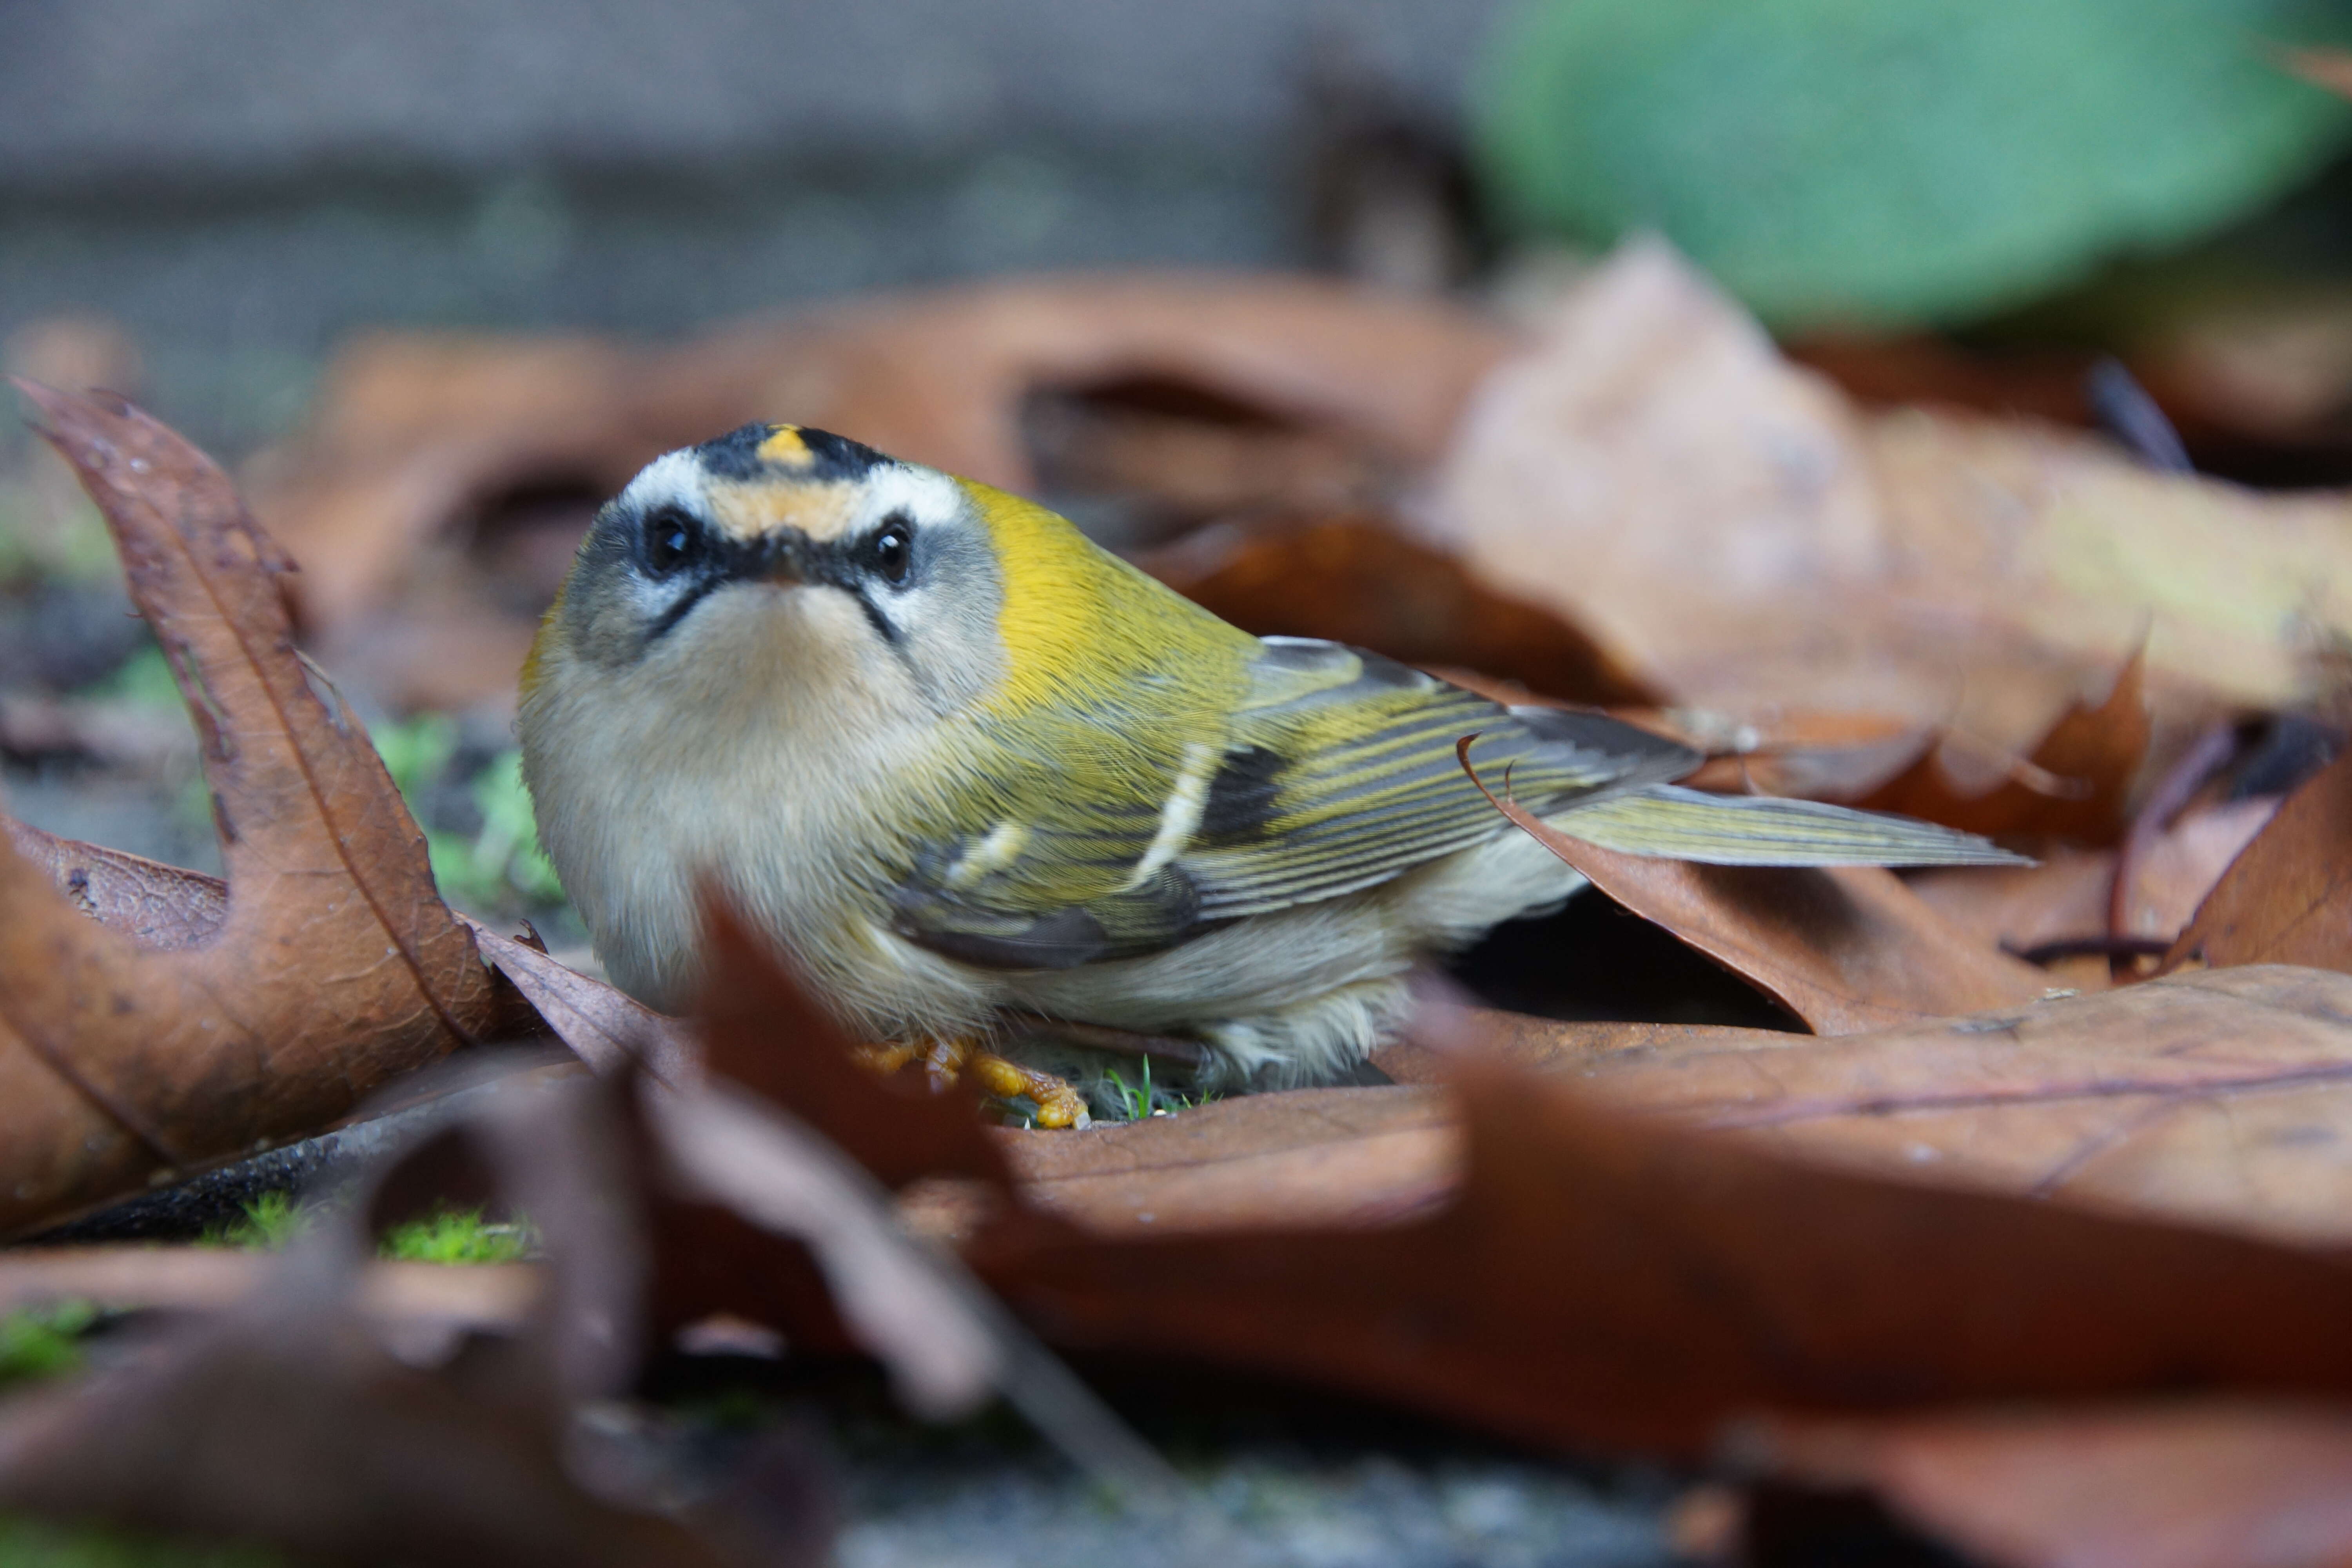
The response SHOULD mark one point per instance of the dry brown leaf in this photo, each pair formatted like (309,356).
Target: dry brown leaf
(1547,1046)
(298,1430)
(2182,1485)
(1845,948)
(2082,775)
(1327,1155)
(415,434)
(605,1028)
(1603,1278)
(1353,580)
(1791,752)
(2039,382)
(2221,1098)
(944,1339)
(2287,897)
(1598,1276)
(155,905)
(336,967)
(1315,1156)
(485,1298)
(306,1416)
(722,1145)
(1738,533)
(2065,898)
(760,1030)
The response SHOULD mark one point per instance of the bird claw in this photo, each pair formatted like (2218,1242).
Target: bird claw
(1058,1105)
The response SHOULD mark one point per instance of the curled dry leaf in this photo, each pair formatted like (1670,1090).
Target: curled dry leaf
(2190,1484)
(723,1145)
(762,1030)
(2287,897)
(1739,534)
(335,965)
(2079,778)
(1845,948)
(605,1028)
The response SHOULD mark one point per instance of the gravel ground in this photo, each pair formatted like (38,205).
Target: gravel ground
(1261,1510)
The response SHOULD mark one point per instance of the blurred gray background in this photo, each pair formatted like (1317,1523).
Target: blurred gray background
(239,182)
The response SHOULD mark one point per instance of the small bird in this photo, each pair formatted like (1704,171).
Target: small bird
(960,762)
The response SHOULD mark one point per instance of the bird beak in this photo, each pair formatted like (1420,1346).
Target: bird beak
(784,559)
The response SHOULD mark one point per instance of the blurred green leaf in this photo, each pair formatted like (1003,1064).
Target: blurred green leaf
(145,678)
(511,830)
(417,752)
(31,1544)
(1851,161)
(501,865)
(43,1341)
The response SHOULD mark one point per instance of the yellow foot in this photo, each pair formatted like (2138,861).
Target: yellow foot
(1058,1105)
(882,1060)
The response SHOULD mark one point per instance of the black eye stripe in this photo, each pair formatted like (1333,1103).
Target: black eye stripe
(680,608)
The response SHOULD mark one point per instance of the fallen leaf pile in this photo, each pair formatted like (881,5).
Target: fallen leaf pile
(193,1028)
(2011,1213)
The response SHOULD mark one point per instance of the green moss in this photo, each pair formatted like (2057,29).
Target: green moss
(29,1544)
(450,1235)
(417,752)
(458,1236)
(270,1221)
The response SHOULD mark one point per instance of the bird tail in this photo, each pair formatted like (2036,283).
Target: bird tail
(1676,824)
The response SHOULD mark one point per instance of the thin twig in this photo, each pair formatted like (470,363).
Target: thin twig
(2042,954)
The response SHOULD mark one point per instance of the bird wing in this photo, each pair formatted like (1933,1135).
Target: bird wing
(1335,771)
(1343,773)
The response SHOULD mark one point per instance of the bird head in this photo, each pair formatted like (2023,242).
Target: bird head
(776,561)
(785,581)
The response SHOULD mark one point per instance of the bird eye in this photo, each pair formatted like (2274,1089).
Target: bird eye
(893,553)
(671,539)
